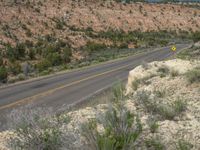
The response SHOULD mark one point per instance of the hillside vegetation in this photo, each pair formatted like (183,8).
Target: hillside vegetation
(44,36)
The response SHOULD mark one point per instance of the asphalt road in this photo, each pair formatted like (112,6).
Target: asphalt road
(73,87)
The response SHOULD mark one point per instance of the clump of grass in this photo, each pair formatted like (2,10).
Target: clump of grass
(143,98)
(160,93)
(135,84)
(154,144)
(165,111)
(174,73)
(183,145)
(118,93)
(179,106)
(153,125)
(163,70)
(193,76)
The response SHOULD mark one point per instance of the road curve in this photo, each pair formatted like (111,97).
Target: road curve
(72,87)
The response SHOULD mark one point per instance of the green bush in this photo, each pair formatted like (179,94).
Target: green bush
(10,53)
(135,84)
(193,76)
(15,68)
(165,111)
(170,111)
(60,24)
(32,53)
(3,74)
(174,73)
(163,70)
(1,61)
(153,125)
(118,93)
(160,93)
(67,53)
(196,36)
(154,144)
(183,145)
(43,65)
(92,47)
(179,106)
(20,50)
(54,58)
(16,52)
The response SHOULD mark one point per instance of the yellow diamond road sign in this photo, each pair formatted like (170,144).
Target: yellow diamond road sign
(173,48)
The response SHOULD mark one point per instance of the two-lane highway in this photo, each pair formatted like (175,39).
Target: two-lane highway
(73,87)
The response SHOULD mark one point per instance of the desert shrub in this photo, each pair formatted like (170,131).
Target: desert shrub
(118,93)
(153,124)
(16,52)
(10,53)
(20,50)
(154,144)
(196,36)
(160,93)
(179,106)
(39,134)
(3,74)
(39,129)
(60,24)
(50,48)
(190,53)
(92,47)
(54,58)
(193,76)
(21,77)
(43,65)
(1,61)
(123,45)
(165,111)
(143,98)
(163,70)
(121,131)
(183,145)
(174,73)
(141,81)
(67,53)
(135,84)
(15,68)
(31,53)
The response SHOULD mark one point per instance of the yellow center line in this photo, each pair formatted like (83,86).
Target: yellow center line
(33,98)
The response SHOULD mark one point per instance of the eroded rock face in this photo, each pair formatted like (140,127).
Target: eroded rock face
(185,125)
(152,69)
